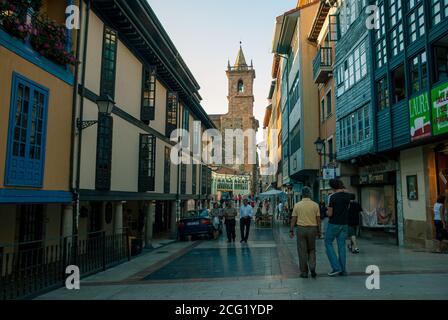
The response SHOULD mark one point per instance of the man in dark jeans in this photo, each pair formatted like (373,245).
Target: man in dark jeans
(230,215)
(337,227)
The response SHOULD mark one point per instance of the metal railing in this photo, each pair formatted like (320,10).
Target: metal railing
(323,59)
(27,269)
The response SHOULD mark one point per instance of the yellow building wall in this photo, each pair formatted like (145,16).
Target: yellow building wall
(128,82)
(58,136)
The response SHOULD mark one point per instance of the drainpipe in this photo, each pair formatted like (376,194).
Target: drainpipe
(75,100)
(81,110)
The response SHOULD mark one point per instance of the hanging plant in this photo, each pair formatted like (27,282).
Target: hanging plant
(13,20)
(50,40)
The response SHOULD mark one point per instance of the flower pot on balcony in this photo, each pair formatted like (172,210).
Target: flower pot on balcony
(49,39)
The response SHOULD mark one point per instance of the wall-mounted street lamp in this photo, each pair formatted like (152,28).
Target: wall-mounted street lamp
(105,106)
(321,149)
(320,145)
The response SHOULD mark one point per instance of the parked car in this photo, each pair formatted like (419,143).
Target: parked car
(193,224)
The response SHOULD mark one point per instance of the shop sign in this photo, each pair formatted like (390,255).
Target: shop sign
(378,178)
(379,168)
(329,173)
(439,98)
(420,119)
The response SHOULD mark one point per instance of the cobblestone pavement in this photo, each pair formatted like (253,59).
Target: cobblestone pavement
(266,269)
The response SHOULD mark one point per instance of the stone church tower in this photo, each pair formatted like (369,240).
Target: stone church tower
(240,114)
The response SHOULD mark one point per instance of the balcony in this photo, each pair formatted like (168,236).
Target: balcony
(323,65)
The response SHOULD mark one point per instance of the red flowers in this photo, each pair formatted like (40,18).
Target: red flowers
(50,39)
(46,36)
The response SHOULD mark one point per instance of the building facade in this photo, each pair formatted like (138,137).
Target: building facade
(36,132)
(86,143)
(300,162)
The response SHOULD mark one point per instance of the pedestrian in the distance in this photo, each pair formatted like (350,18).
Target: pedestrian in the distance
(306,215)
(440,221)
(279,210)
(230,214)
(337,227)
(246,214)
(353,224)
(323,218)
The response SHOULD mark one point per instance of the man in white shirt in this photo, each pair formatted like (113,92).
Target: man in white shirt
(246,213)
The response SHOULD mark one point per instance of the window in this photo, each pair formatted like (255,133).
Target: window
(380,39)
(366,123)
(148,95)
(183,178)
(360,117)
(419,73)
(104,152)
(399,84)
(26,137)
(186,119)
(194,177)
(382,94)
(240,86)
(167,171)
(439,11)
(354,128)
(171,113)
(203,179)
(109,62)
(441,62)
(352,70)
(329,103)
(416,21)
(295,134)
(396,26)
(330,149)
(147,165)
(322,113)
(295,94)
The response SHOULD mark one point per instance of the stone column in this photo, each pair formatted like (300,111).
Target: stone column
(149,213)
(175,212)
(67,221)
(118,218)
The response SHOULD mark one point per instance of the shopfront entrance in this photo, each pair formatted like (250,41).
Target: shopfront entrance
(442,170)
(377,196)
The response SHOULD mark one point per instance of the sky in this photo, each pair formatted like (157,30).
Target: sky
(208,32)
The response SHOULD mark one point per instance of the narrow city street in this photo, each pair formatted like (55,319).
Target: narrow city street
(264,269)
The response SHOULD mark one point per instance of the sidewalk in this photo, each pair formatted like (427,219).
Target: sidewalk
(264,269)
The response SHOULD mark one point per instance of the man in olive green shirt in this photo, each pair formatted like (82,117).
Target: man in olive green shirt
(230,214)
(306,215)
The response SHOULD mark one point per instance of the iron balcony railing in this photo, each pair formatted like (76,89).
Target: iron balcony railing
(323,64)
(28,269)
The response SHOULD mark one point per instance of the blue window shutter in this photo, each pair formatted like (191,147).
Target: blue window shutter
(27,133)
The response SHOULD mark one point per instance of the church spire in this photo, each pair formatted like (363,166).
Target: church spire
(240,62)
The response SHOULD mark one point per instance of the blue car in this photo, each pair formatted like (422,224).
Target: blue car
(195,224)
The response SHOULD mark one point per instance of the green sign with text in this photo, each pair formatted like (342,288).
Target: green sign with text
(419,116)
(439,99)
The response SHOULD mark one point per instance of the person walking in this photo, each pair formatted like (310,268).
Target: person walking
(337,227)
(323,218)
(279,210)
(230,214)
(353,223)
(306,215)
(440,221)
(246,214)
